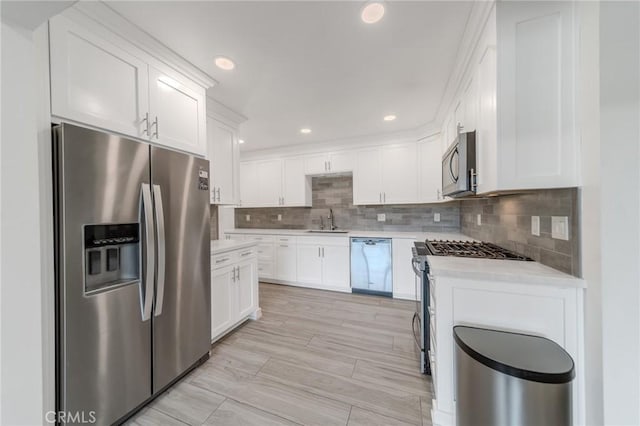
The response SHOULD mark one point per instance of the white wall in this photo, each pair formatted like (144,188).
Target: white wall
(620,207)
(588,102)
(21,310)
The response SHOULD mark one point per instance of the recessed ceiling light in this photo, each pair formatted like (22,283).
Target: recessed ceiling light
(224,63)
(372,12)
(389,117)
(305,130)
(240,140)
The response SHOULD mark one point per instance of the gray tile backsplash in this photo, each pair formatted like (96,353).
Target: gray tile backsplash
(337,193)
(506,221)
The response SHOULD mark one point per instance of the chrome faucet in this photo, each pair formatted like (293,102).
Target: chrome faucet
(332,225)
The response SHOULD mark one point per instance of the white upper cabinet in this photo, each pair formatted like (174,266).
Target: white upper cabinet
(399,174)
(269,183)
(316,164)
(275,183)
(223,161)
(94,81)
(525,119)
(177,112)
(296,186)
(386,175)
(367,178)
(333,162)
(249,190)
(537,146)
(342,161)
(430,170)
(102,80)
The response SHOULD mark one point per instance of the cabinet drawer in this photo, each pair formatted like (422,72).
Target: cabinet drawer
(283,239)
(265,269)
(222,260)
(261,238)
(266,251)
(246,253)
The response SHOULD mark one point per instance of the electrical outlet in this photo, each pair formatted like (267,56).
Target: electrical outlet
(436,217)
(382,217)
(560,227)
(247,218)
(535,225)
(479,219)
(279,218)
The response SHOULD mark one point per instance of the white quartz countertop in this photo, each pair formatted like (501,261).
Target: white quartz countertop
(511,271)
(352,233)
(223,246)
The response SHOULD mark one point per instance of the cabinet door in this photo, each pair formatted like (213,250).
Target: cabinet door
(430,170)
(336,267)
(223,300)
(470,106)
(342,162)
(96,83)
(249,184)
(316,164)
(286,259)
(223,159)
(367,187)
(269,183)
(177,112)
(296,186)
(309,263)
(538,147)
(400,174)
(486,128)
(247,288)
(404,279)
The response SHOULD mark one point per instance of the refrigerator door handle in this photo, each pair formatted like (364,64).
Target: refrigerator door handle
(147,210)
(157,198)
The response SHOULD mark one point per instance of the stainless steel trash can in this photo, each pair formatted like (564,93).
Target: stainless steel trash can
(511,379)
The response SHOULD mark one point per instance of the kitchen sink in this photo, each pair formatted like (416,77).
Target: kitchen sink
(327,231)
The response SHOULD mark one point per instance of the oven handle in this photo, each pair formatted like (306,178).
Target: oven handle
(415,268)
(413,329)
(453,176)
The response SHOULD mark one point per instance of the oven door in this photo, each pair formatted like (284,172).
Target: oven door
(420,320)
(453,182)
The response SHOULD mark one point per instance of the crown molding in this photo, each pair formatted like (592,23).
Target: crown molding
(380,139)
(221,112)
(476,22)
(101,14)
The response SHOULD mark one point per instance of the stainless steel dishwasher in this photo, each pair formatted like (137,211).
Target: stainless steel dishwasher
(371,270)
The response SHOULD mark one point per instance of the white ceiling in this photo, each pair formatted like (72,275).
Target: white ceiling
(314,64)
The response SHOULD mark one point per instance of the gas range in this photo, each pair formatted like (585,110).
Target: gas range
(472,249)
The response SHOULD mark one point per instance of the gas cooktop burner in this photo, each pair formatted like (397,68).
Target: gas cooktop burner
(471,249)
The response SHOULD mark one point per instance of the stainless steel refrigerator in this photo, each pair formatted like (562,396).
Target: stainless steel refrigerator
(133,307)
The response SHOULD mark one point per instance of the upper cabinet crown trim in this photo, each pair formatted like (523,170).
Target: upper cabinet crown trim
(96,14)
(223,113)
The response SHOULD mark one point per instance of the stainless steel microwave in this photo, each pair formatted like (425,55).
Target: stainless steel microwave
(459,167)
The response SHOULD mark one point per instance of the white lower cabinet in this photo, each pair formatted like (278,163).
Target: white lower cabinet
(286,259)
(234,289)
(547,311)
(323,262)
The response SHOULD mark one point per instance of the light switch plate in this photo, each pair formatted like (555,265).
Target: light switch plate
(279,218)
(535,225)
(560,227)
(382,217)
(479,219)
(436,217)
(247,218)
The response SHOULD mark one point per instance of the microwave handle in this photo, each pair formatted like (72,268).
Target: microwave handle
(455,178)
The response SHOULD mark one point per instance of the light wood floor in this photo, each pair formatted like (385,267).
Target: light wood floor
(315,358)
